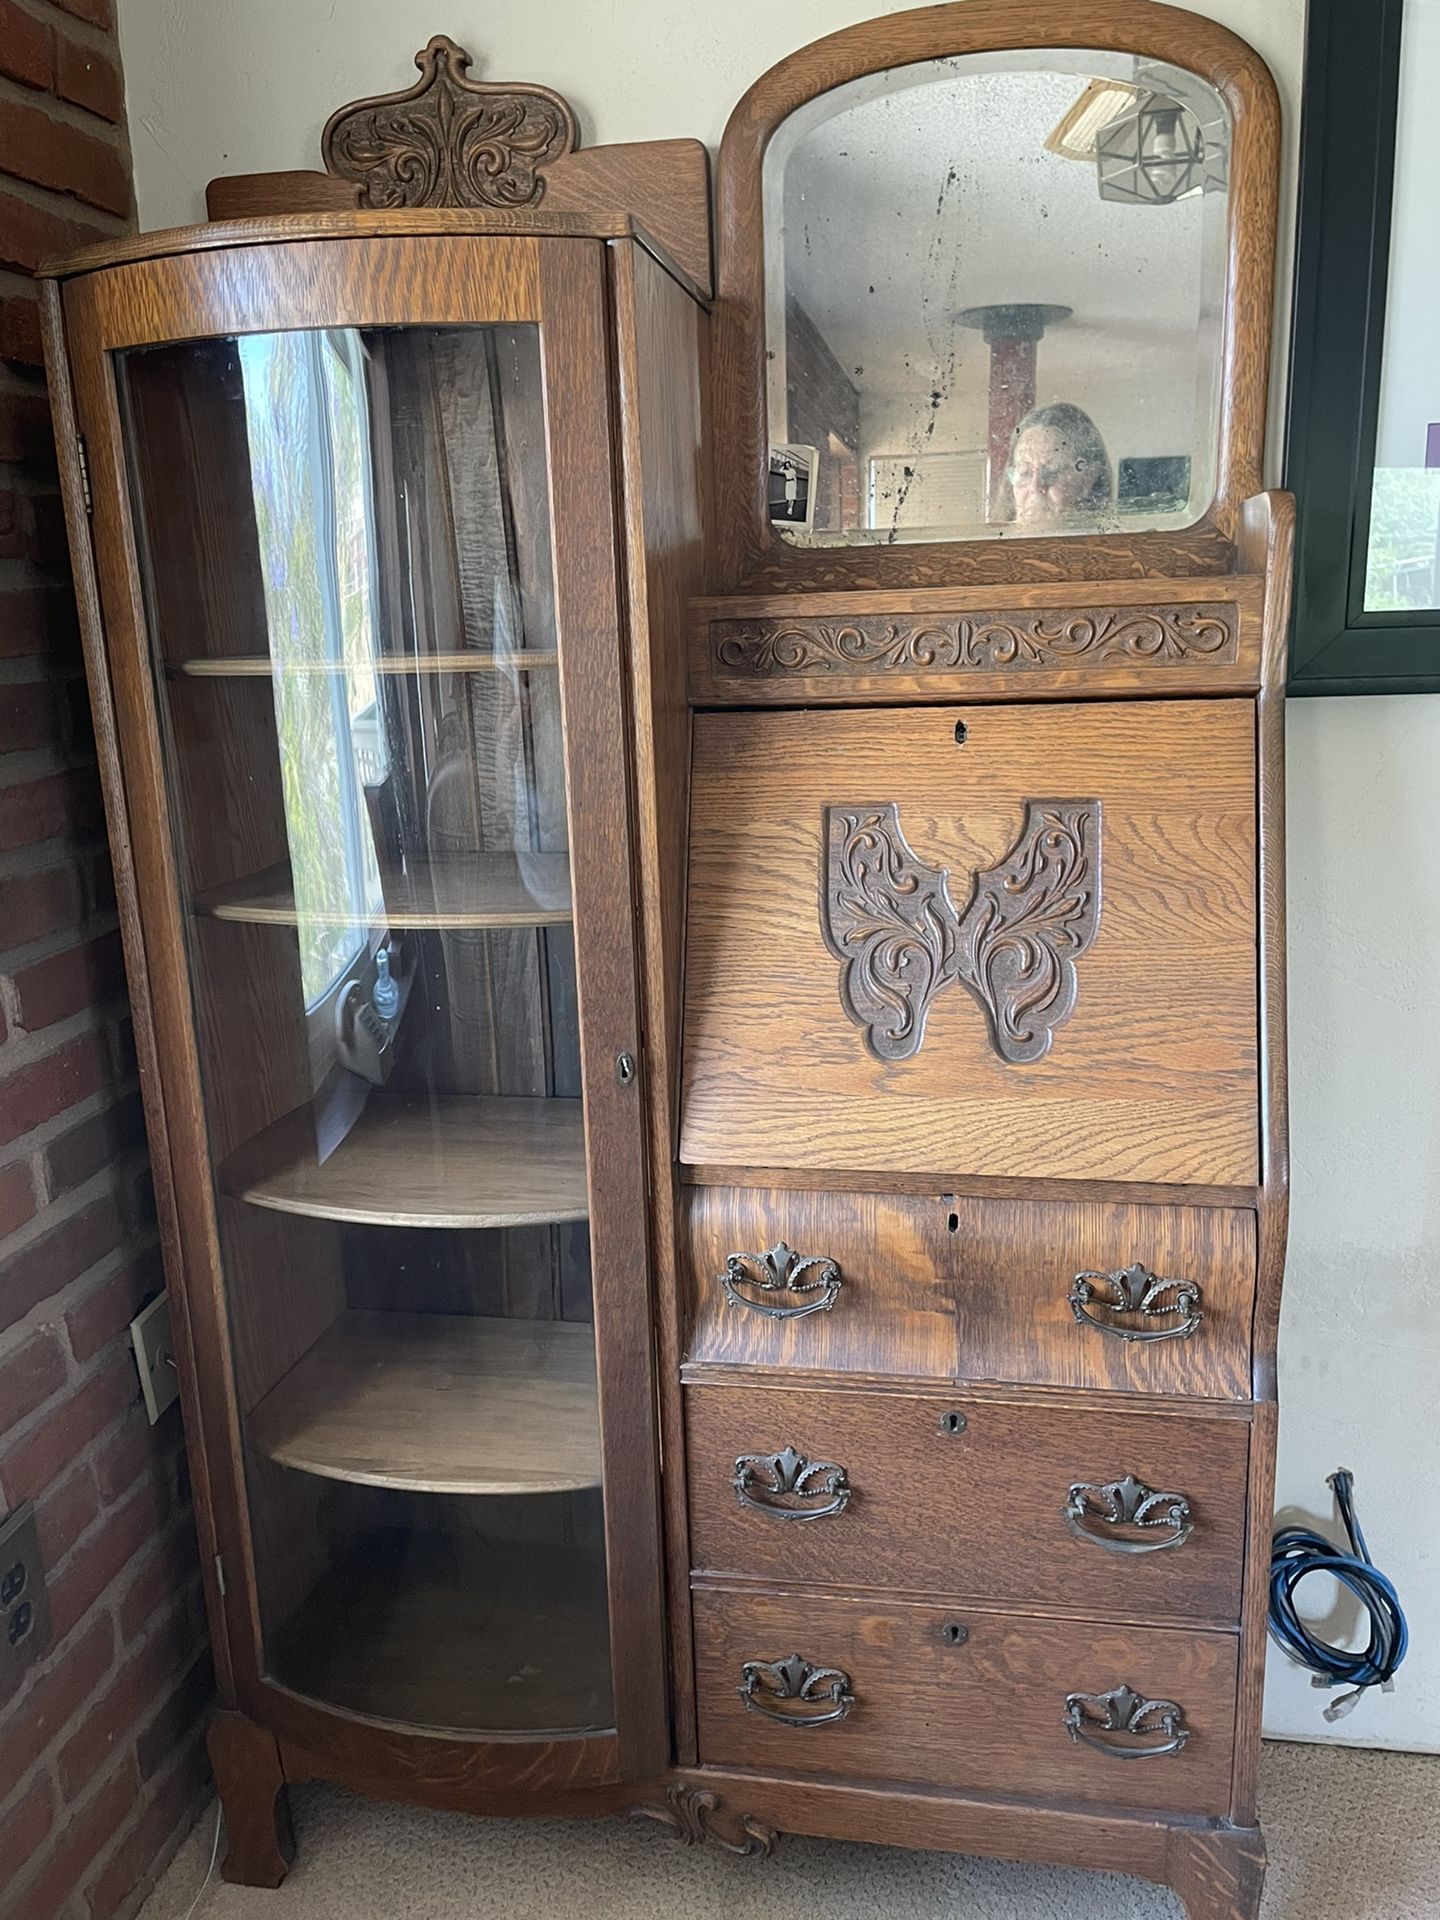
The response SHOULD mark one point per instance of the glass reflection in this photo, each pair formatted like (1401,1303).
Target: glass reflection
(994,290)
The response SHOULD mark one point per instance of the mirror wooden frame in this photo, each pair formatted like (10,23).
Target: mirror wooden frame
(748,556)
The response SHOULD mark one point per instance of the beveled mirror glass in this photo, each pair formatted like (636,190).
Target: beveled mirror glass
(995,289)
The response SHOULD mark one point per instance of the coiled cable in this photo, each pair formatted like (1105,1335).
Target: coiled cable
(1296,1552)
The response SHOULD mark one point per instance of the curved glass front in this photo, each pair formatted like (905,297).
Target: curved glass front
(345,543)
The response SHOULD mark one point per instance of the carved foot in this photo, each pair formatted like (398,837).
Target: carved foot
(694,1813)
(1218,1875)
(251,1782)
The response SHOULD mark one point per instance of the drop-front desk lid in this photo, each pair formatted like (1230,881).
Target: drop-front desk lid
(1002,940)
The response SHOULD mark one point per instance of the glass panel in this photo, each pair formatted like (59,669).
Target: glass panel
(345,545)
(1402,568)
(994,300)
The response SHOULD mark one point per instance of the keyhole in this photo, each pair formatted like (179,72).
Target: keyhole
(962,733)
(954,1634)
(952,1423)
(954,1223)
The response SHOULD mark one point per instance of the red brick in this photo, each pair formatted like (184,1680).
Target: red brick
(88,78)
(167,1728)
(53,1701)
(26,433)
(38,620)
(84,1835)
(65,1513)
(20,339)
(52,153)
(172,1563)
(17,1205)
(28,233)
(28,721)
(77,1156)
(137,1448)
(30,1375)
(97,12)
(24,46)
(150,1674)
(27,1825)
(149,1839)
(37,904)
(28,1469)
(104,1314)
(59,803)
(61,984)
(37,1092)
(101,1557)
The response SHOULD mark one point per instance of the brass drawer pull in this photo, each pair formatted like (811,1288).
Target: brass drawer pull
(1118,1723)
(1125,1516)
(807,1283)
(765,1481)
(791,1690)
(1138,1292)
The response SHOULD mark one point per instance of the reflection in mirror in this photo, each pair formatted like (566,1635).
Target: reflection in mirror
(994,300)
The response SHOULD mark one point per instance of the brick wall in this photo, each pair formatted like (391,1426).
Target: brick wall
(101,1761)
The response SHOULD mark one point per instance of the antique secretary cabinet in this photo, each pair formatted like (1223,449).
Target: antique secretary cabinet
(700,867)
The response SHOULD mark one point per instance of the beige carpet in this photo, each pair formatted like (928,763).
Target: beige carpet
(1352,1836)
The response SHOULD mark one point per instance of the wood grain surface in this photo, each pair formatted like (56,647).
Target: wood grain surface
(1152,1078)
(440,1403)
(932,644)
(984,1301)
(987,1715)
(977,1513)
(453,1161)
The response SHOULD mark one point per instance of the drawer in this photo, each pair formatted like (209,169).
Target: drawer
(974,1702)
(954,1289)
(971,1496)
(990,940)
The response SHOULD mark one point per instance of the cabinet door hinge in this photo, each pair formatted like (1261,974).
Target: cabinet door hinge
(84,460)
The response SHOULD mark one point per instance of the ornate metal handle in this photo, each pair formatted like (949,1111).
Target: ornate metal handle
(808,1283)
(1137,1291)
(792,1690)
(1118,1723)
(1124,1516)
(765,1481)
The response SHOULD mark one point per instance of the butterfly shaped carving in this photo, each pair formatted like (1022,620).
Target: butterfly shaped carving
(889,920)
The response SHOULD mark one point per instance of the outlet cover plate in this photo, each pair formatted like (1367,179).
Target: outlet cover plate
(24,1604)
(154,1344)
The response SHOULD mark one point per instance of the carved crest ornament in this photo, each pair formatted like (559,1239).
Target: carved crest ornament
(889,920)
(450,141)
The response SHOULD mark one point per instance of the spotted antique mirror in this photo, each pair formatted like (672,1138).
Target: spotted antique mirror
(979,292)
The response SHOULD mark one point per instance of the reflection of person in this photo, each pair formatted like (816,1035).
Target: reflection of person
(1059,469)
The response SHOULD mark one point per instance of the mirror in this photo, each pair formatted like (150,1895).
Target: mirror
(995,289)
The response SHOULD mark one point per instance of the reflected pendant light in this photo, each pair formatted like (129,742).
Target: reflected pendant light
(1151,154)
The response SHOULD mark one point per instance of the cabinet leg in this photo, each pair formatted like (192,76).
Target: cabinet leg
(1218,1875)
(251,1782)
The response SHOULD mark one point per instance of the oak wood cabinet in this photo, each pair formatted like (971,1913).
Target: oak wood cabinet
(704,904)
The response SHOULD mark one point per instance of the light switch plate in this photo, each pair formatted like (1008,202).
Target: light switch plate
(24,1604)
(155,1355)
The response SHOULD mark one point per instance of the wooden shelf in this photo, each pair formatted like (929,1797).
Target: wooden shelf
(437,1630)
(260,666)
(465,890)
(440,1403)
(454,1161)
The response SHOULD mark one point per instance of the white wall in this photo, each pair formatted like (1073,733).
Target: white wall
(216,88)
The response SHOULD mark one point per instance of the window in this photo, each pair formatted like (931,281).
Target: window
(308,430)
(1363,443)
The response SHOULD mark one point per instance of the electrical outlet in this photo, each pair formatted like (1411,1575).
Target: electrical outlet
(24,1604)
(154,1345)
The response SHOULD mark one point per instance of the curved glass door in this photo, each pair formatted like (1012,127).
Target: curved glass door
(345,543)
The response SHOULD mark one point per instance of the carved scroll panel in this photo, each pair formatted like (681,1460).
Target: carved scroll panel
(889,920)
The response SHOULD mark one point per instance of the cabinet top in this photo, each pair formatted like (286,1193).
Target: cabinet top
(276,229)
